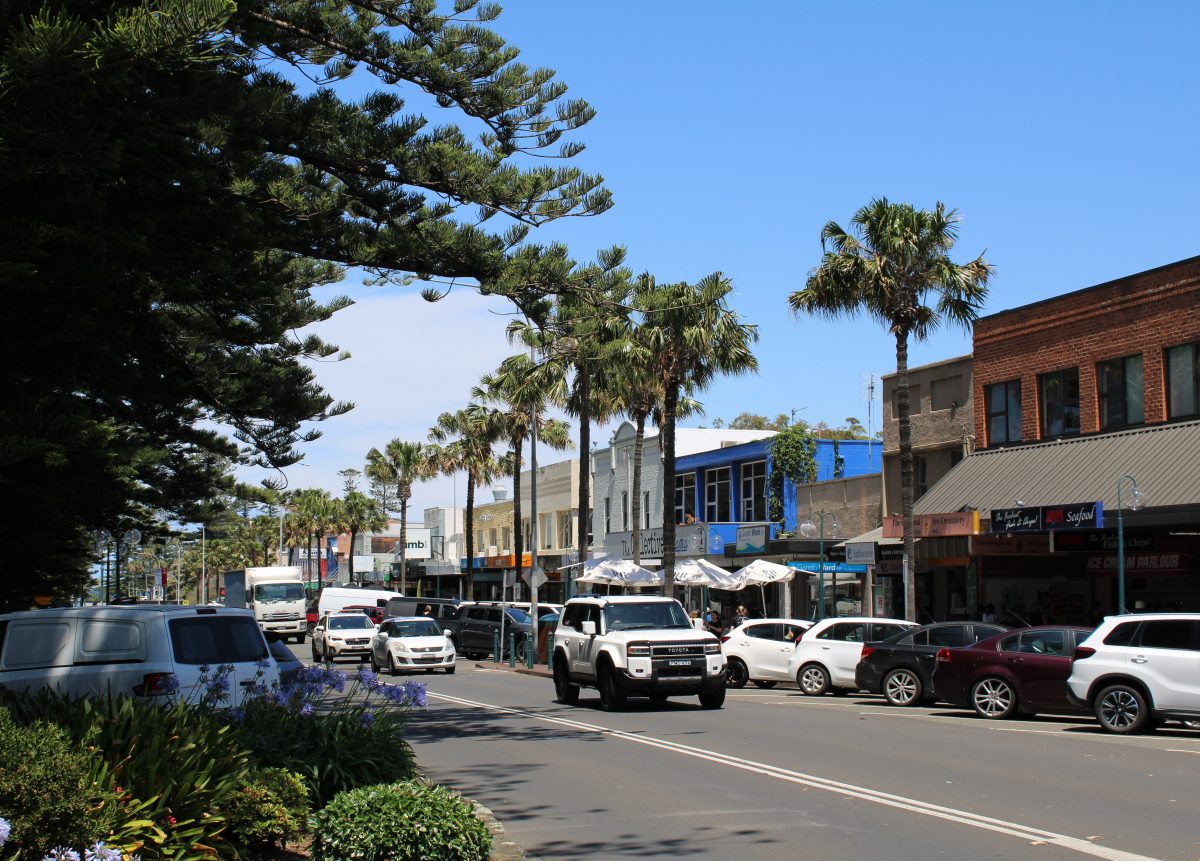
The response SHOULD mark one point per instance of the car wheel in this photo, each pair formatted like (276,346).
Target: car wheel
(736,674)
(813,680)
(565,692)
(316,656)
(765,684)
(712,699)
(612,698)
(392,668)
(1122,709)
(902,687)
(374,663)
(993,698)
(450,670)
(299,639)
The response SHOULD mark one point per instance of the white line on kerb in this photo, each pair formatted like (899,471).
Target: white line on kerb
(912,805)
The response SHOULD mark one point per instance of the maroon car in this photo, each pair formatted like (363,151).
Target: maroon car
(1024,670)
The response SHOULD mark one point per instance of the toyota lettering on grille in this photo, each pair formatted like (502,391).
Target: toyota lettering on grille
(679,650)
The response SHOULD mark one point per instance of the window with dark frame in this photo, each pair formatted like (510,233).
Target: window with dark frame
(717,487)
(754,491)
(1120,392)
(645,509)
(625,510)
(921,471)
(1058,394)
(1183,380)
(1003,412)
(685,497)
(607,515)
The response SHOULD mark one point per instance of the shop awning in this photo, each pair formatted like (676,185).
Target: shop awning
(1164,459)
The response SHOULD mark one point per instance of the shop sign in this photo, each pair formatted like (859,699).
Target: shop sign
(1010,545)
(829,568)
(1142,563)
(933,525)
(689,541)
(1100,542)
(1048,518)
(862,553)
(751,539)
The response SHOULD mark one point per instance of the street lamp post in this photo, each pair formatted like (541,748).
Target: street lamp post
(1136,502)
(807,528)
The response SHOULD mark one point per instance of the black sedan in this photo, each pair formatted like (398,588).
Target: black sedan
(901,667)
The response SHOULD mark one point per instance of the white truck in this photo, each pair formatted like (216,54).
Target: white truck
(275,594)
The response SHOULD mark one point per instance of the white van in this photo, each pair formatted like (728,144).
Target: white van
(139,650)
(335,598)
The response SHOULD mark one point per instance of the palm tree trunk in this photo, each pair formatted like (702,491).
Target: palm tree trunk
(638,439)
(353,536)
(585,460)
(518,536)
(470,527)
(670,405)
(404,544)
(906,476)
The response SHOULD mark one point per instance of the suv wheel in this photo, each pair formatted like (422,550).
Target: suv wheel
(902,687)
(993,698)
(612,698)
(813,680)
(1122,709)
(565,692)
(713,699)
(736,674)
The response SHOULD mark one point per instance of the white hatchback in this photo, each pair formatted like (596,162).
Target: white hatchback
(827,654)
(412,643)
(758,650)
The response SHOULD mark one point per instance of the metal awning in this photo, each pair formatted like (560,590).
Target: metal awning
(1164,459)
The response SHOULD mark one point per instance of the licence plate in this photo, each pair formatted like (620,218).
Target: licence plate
(683,663)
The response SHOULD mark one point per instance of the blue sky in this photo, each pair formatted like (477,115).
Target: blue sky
(729,133)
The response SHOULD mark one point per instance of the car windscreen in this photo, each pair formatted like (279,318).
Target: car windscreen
(350,622)
(519,616)
(267,592)
(216,640)
(652,614)
(417,628)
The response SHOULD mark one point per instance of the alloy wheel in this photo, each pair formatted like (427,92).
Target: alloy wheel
(902,687)
(993,698)
(736,674)
(813,681)
(1120,710)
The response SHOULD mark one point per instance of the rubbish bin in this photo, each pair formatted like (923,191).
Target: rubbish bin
(545,632)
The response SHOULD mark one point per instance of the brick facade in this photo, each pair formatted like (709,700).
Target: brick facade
(1139,314)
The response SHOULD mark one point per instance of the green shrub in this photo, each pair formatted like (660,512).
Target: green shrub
(406,821)
(46,789)
(270,808)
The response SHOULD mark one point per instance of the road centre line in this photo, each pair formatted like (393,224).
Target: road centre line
(911,805)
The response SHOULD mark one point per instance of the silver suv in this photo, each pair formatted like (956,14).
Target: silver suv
(1136,669)
(635,645)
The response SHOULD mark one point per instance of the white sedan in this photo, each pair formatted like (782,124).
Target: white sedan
(412,643)
(827,654)
(758,650)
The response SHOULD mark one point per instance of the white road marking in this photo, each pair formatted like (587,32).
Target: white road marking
(1181,750)
(911,805)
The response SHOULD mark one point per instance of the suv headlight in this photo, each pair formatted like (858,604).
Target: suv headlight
(713,648)
(637,650)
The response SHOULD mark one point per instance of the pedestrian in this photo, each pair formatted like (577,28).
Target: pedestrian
(989,613)
(714,623)
(740,616)
(428,611)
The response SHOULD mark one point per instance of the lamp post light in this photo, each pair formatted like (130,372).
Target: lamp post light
(808,528)
(1137,500)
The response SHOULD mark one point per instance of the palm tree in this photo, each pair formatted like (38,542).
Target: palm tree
(307,511)
(692,336)
(363,514)
(401,463)
(467,436)
(895,260)
(518,391)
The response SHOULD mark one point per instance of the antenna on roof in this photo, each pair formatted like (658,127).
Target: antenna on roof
(869,393)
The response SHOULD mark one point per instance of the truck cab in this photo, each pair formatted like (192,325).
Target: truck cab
(276,596)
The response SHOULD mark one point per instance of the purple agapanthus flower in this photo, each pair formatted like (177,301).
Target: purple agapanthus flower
(237,715)
(307,709)
(416,693)
(100,852)
(367,719)
(368,679)
(5,830)
(263,663)
(61,853)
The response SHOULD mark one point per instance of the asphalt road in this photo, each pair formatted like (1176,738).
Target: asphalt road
(776,775)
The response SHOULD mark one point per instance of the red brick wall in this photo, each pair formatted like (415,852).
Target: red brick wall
(1143,313)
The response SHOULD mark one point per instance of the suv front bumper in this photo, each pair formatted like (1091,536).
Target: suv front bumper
(643,677)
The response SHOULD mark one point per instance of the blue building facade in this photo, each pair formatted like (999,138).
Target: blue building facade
(730,486)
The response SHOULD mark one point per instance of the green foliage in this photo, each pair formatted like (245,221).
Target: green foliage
(793,457)
(405,821)
(174,768)
(270,808)
(47,790)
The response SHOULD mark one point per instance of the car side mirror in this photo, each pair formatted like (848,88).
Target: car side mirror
(589,628)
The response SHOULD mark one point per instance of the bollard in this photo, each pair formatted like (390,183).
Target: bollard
(550,658)
(512,650)
(530,649)
(496,646)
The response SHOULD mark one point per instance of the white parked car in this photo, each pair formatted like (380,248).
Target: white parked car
(343,635)
(412,643)
(1136,669)
(827,654)
(758,650)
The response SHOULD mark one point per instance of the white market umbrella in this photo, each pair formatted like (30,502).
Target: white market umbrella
(762,572)
(701,572)
(612,570)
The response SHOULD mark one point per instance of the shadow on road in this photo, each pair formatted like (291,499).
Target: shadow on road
(699,841)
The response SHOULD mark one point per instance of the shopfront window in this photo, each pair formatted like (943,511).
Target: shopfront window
(754,491)
(1059,396)
(1003,412)
(1119,389)
(685,497)
(1183,381)
(716,495)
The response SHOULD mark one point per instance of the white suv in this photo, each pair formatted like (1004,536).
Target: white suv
(827,654)
(1138,668)
(635,645)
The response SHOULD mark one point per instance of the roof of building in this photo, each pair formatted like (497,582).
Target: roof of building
(1163,459)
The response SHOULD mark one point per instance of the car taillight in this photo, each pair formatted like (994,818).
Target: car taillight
(1082,652)
(943,655)
(156,685)
(637,650)
(724,638)
(867,652)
